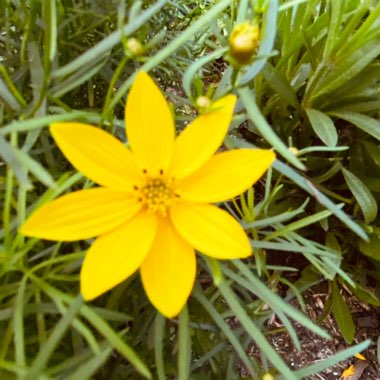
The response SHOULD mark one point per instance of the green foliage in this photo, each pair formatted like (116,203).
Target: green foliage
(313,86)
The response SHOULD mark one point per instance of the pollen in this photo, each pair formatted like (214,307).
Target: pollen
(157,194)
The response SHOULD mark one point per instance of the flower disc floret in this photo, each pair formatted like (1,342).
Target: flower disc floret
(156,194)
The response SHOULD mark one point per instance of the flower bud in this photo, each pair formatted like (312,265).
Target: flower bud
(244,39)
(203,103)
(134,46)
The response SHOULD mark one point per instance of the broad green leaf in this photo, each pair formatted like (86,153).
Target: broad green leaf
(342,315)
(365,295)
(333,243)
(365,123)
(372,247)
(363,196)
(323,126)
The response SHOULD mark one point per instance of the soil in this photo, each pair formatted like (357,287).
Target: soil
(315,348)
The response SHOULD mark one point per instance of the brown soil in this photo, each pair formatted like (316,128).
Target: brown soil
(315,348)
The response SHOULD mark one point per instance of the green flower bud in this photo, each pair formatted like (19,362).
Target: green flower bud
(134,46)
(203,103)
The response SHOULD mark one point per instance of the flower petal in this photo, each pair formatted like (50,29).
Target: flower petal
(168,272)
(81,215)
(96,154)
(210,230)
(150,125)
(200,140)
(226,175)
(116,255)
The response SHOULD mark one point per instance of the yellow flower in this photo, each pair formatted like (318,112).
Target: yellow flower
(244,40)
(152,207)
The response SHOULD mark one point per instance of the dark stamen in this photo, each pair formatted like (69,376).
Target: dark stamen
(135,187)
(161,172)
(145,171)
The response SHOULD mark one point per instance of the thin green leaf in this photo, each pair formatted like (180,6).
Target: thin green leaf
(9,155)
(277,80)
(215,315)
(8,97)
(265,129)
(328,363)
(174,45)
(96,53)
(54,338)
(306,185)
(196,67)
(159,330)
(18,322)
(86,370)
(347,68)
(50,15)
(255,332)
(299,224)
(184,345)
(275,301)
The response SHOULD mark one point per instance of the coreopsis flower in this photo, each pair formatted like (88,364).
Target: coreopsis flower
(153,207)
(243,41)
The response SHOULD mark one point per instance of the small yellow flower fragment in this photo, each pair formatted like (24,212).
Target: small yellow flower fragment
(153,207)
(350,371)
(360,356)
(244,40)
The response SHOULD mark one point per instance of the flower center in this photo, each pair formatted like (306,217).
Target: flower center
(157,194)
